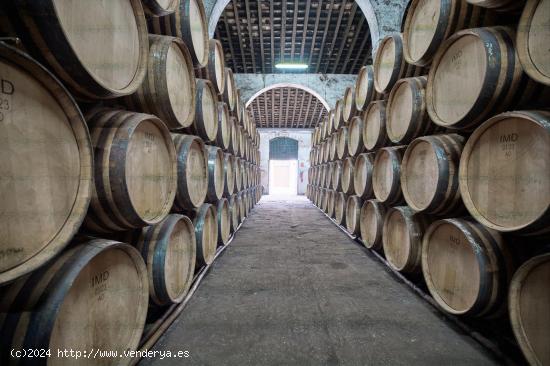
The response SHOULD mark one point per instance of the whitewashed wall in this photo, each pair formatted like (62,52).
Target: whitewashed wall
(304,146)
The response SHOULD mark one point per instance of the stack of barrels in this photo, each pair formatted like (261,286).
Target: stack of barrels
(438,158)
(126,159)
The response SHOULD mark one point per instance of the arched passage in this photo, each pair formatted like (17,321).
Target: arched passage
(287,105)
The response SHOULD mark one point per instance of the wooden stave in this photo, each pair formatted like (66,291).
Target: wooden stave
(446,200)
(234,209)
(36,23)
(340,201)
(356,122)
(337,121)
(367,72)
(229,92)
(111,207)
(495,254)
(522,43)
(395,195)
(347,176)
(152,242)
(199,128)
(342,145)
(500,5)
(153,8)
(541,225)
(349,111)
(238,175)
(37,298)
(505,85)
(216,169)
(353,214)
(229,175)
(330,203)
(419,123)
(416,224)
(223,213)
(514,305)
(24,62)
(213,46)
(152,96)
(234,145)
(223,135)
(382,139)
(183,200)
(380,212)
(333,154)
(365,191)
(206,250)
(336,181)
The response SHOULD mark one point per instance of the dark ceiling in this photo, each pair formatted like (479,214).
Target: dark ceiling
(330,36)
(287,107)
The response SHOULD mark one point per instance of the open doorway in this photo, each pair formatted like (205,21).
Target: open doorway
(283,177)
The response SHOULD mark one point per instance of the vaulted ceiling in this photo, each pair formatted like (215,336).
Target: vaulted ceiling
(287,107)
(331,36)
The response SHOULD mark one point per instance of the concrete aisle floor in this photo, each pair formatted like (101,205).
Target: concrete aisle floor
(292,289)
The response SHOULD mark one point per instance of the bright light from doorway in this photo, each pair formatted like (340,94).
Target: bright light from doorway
(283,177)
(290,66)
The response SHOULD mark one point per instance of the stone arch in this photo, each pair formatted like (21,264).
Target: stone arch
(288,85)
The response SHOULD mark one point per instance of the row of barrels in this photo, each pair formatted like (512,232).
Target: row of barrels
(108,284)
(414,147)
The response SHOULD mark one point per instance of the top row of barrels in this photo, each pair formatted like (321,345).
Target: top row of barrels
(493,63)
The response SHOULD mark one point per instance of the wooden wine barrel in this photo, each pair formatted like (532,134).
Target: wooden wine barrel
(223,136)
(402,234)
(216,65)
(224,221)
(329,175)
(242,213)
(237,112)
(324,199)
(362,175)
(429,174)
(137,143)
(168,90)
(240,137)
(159,8)
(500,5)
(205,124)
(330,202)
(504,173)
(189,23)
(486,79)
(532,37)
(355,136)
(234,211)
(244,201)
(169,251)
(192,172)
(390,65)
(430,22)
(372,224)
(229,175)
(346,180)
(467,267)
(98,285)
(353,214)
(375,135)
(70,38)
(336,176)
(45,164)
(340,201)
(386,175)
(337,122)
(406,114)
(364,88)
(216,179)
(206,233)
(349,110)
(330,119)
(342,144)
(229,89)
(333,147)
(528,299)
(238,175)
(234,146)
